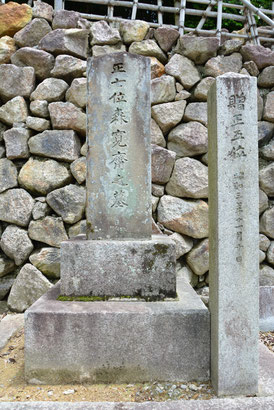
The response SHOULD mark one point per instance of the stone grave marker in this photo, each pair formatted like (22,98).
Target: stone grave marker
(234,234)
(119,257)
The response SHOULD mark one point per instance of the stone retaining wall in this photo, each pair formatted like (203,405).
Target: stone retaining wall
(42,139)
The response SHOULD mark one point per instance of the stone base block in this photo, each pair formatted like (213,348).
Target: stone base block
(117,341)
(266,321)
(118,268)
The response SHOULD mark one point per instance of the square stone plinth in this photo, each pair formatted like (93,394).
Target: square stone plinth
(117,341)
(118,268)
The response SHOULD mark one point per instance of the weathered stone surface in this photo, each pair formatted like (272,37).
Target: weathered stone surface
(182,95)
(198,258)
(267,151)
(16,142)
(162,162)
(62,145)
(2,150)
(154,203)
(260,106)
(77,93)
(266,276)
(157,68)
(51,89)
(5,284)
(84,149)
(6,265)
(16,206)
(102,33)
(263,201)
(13,17)
(7,48)
(37,124)
(188,217)
(65,19)
(80,228)
(39,108)
(231,46)
(67,116)
(66,41)
(252,68)
(29,285)
(8,175)
(265,132)
(148,48)
(234,234)
(98,51)
(16,244)
(188,139)
(270,253)
(198,49)
(266,178)
(79,169)
(157,190)
(220,65)
(162,89)
(183,70)
(68,202)
(49,230)
(42,10)
(267,223)
(269,108)
(47,260)
(266,78)
(189,179)
(200,92)
(262,56)
(68,67)
(3,128)
(42,176)
(16,81)
(40,209)
(264,242)
(116,178)
(168,115)
(166,37)
(32,33)
(134,30)
(183,244)
(262,256)
(15,110)
(149,270)
(196,112)
(40,60)
(156,134)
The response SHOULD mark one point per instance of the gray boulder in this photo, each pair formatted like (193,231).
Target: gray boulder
(79,169)
(267,223)
(16,142)
(264,242)
(42,10)
(16,81)
(188,139)
(29,286)
(162,162)
(133,30)
(102,33)
(51,89)
(62,145)
(77,93)
(42,176)
(6,265)
(47,260)
(66,41)
(80,228)
(163,89)
(98,51)
(183,244)
(16,206)
(8,175)
(220,65)
(266,178)
(32,33)
(188,217)
(68,67)
(267,151)
(40,60)
(263,201)
(16,244)
(198,258)
(198,49)
(201,91)
(196,111)
(66,19)
(262,56)
(68,202)
(268,114)
(67,116)
(156,134)
(168,115)
(148,48)
(266,78)
(49,230)
(270,253)
(6,283)
(183,70)
(266,276)
(189,179)
(13,111)
(37,124)
(39,108)
(40,209)
(166,37)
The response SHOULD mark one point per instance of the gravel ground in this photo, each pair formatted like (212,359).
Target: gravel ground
(14,388)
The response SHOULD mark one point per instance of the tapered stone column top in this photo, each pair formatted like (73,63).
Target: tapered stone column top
(118,159)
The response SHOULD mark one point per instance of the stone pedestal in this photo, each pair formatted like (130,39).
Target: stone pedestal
(119,268)
(117,341)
